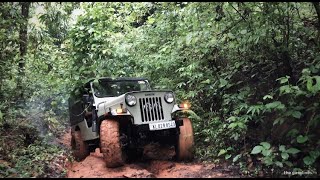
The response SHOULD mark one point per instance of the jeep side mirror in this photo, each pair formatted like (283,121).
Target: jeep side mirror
(85,98)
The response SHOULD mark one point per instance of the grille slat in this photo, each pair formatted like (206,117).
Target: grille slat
(159,114)
(146,109)
(142,114)
(162,117)
(151,109)
(155,110)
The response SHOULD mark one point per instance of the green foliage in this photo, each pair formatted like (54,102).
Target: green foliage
(225,152)
(302,139)
(26,154)
(38,160)
(311,158)
(249,69)
(271,157)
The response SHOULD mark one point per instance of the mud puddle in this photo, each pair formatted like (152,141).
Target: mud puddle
(156,163)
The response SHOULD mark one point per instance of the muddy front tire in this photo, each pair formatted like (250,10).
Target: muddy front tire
(185,142)
(110,143)
(79,147)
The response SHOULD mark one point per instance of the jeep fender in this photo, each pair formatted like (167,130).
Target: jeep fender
(176,108)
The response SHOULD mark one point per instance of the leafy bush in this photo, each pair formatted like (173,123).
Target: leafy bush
(250,70)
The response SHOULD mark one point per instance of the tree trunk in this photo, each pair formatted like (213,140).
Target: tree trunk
(23,38)
(317,7)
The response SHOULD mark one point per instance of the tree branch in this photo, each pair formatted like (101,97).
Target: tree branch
(238,13)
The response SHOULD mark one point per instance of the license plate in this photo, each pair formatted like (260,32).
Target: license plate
(162,125)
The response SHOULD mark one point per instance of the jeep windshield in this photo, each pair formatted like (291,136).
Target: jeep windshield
(118,87)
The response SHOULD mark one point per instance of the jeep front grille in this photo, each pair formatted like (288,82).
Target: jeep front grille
(151,109)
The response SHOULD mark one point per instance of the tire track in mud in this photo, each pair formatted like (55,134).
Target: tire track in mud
(156,163)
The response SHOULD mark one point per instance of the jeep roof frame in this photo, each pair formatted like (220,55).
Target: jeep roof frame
(87,83)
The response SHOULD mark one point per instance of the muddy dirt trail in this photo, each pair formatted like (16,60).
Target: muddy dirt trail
(156,163)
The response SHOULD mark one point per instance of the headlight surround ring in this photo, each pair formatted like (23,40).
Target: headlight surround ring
(131,100)
(169,97)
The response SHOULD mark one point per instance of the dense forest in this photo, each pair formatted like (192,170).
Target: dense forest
(251,71)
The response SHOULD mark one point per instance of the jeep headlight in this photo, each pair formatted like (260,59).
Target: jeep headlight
(131,100)
(169,97)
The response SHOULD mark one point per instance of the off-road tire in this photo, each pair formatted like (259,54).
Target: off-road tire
(79,147)
(185,141)
(110,143)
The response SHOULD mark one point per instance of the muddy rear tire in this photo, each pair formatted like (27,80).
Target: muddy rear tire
(110,143)
(185,142)
(79,147)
